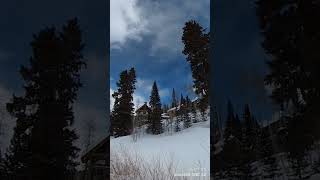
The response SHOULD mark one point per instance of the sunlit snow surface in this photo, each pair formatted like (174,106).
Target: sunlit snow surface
(190,148)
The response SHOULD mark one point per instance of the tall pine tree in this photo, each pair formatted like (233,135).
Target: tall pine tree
(155,125)
(229,130)
(292,40)
(17,162)
(196,48)
(45,113)
(122,114)
(193,113)
(249,142)
(266,152)
(174,99)
(238,128)
(186,111)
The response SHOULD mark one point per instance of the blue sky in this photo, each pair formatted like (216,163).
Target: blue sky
(146,35)
(239,61)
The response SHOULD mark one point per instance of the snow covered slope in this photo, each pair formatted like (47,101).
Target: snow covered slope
(189,148)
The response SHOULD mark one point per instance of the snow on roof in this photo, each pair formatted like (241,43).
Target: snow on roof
(172,109)
(175,108)
(195,99)
(143,108)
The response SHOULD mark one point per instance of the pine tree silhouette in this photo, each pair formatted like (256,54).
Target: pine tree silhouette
(155,116)
(122,114)
(44,114)
(230,126)
(292,40)
(17,161)
(196,48)
(174,99)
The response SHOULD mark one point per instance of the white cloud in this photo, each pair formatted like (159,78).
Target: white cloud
(143,89)
(126,22)
(144,85)
(138,100)
(163,22)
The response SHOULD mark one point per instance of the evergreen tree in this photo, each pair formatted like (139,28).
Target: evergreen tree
(233,124)
(184,112)
(174,99)
(182,101)
(177,127)
(187,118)
(238,128)
(203,105)
(179,115)
(216,131)
(1,166)
(248,132)
(232,151)
(165,108)
(196,48)
(266,149)
(232,158)
(122,114)
(250,141)
(297,146)
(193,113)
(229,130)
(110,125)
(188,104)
(17,160)
(292,41)
(188,111)
(155,126)
(44,114)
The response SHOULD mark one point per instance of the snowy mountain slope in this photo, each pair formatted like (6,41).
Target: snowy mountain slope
(190,148)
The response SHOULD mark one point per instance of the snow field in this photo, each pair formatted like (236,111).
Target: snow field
(188,150)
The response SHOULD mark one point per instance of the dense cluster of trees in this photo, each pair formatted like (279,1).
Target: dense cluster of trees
(294,49)
(42,146)
(186,113)
(249,150)
(291,39)
(241,139)
(122,116)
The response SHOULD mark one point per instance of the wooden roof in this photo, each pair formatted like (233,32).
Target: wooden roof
(144,107)
(105,141)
